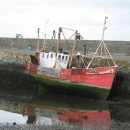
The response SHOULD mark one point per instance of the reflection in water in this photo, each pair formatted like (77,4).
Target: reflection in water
(52,109)
(50,116)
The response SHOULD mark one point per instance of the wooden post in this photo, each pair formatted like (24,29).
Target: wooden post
(72,51)
(44,43)
(58,44)
(38,40)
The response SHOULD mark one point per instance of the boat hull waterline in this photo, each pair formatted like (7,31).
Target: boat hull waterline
(92,82)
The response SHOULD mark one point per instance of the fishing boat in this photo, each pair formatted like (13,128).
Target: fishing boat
(55,71)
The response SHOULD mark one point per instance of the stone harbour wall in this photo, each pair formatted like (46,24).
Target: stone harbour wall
(121,47)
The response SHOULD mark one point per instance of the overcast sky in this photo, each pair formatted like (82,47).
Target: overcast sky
(87,16)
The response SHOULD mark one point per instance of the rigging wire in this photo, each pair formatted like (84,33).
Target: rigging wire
(67,40)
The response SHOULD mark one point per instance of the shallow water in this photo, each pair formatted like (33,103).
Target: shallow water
(54,111)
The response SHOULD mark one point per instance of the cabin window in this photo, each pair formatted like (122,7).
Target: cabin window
(62,57)
(47,55)
(43,55)
(51,55)
(66,58)
(59,57)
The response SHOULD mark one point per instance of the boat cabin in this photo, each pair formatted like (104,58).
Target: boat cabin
(48,59)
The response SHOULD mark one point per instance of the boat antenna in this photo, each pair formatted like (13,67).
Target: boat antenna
(38,40)
(44,43)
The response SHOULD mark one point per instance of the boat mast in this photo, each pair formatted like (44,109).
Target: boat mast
(104,45)
(104,28)
(102,42)
(44,43)
(101,45)
(72,51)
(58,44)
(38,40)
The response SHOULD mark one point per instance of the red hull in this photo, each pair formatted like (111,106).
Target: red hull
(98,77)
